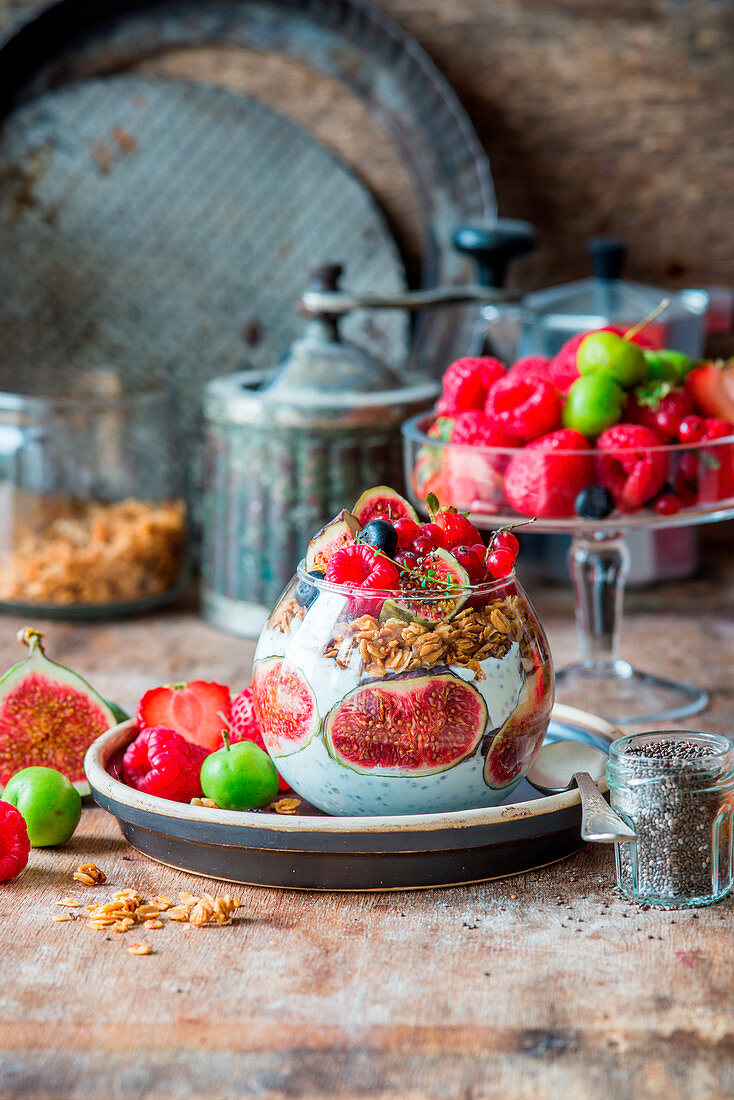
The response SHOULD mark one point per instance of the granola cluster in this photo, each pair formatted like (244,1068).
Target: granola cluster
(60,552)
(466,640)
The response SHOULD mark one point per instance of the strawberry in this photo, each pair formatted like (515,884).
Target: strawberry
(660,406)
(711,388)
(466,384)
(162,763)
(197,711)
(456,529)
(545,478)
(526,408)
(628,467)
(245,726)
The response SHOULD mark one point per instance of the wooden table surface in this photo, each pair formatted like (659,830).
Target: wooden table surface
(543,985)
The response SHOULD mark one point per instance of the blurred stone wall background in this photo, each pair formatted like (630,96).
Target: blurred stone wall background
(598,116)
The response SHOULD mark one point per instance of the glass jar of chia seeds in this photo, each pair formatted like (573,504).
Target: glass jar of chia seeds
(675,788)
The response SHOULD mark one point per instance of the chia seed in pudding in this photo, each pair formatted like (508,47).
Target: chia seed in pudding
(676,790)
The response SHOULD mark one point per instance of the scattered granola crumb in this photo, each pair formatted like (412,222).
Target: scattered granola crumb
(286,805)
(70,903)
(154,923)
(139,948)
(209,803)
(61,918)
(90,875)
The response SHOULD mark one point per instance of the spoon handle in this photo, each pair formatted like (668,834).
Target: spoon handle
(599,822)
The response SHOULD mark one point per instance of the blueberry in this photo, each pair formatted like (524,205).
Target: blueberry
(596,502)
(380,534)
(306,593)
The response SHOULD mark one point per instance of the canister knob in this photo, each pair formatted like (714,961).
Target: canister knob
(492,245)
(607,256)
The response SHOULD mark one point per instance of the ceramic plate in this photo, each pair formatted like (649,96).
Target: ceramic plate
(311,851)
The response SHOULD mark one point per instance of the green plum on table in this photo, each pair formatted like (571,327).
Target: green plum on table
(48,802)
(239,777)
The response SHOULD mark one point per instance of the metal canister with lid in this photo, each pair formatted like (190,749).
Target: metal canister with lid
(285,452)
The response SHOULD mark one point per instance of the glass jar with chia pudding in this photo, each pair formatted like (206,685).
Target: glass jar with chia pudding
(400,676)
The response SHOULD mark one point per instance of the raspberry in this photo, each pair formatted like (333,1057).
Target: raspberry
(359,566)
(525,408)
(628,467)
(456,529)
(545,478)
(477,429)
(467,382)
(531,366)
(14,843)
(162,763)
(245,726)
(664,411)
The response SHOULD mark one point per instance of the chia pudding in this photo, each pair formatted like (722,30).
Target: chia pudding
(676,790)
(406,699)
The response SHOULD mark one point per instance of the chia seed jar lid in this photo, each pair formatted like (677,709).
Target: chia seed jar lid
(687,757)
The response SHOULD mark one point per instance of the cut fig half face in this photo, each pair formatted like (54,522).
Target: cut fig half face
(517,741)
(285,706)
(414,723)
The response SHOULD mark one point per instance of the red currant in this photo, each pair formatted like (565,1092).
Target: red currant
(667,504)
(691,429)
(433,532)
(500,562)
(422,546)
(505,540)
(474,565)
(407,530)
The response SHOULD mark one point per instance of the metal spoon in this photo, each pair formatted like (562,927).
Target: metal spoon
(561,764)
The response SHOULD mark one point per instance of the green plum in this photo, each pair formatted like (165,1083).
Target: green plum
(594,404)
(668,365)
(49,803)
(239,777)
(605,353)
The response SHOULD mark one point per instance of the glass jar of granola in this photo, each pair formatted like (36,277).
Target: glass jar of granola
(92,514)
(402,702)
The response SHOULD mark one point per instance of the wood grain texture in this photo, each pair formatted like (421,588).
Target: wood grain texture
(542,985)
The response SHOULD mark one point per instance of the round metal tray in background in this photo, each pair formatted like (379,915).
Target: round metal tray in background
(317,852)
(132,233)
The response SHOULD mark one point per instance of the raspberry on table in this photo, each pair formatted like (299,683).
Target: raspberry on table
(629,465)
(245,726)
(14,843)
(545,478)
(467,382)
(163,763)
(526,408)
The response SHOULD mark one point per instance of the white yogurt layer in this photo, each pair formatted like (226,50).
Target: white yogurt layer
(338,789)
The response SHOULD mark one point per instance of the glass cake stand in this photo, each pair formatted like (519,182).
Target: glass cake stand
(472,479)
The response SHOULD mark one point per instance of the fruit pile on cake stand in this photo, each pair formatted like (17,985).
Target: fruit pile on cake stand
(608,436)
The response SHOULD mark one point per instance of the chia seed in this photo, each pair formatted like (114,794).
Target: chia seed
(675,791)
